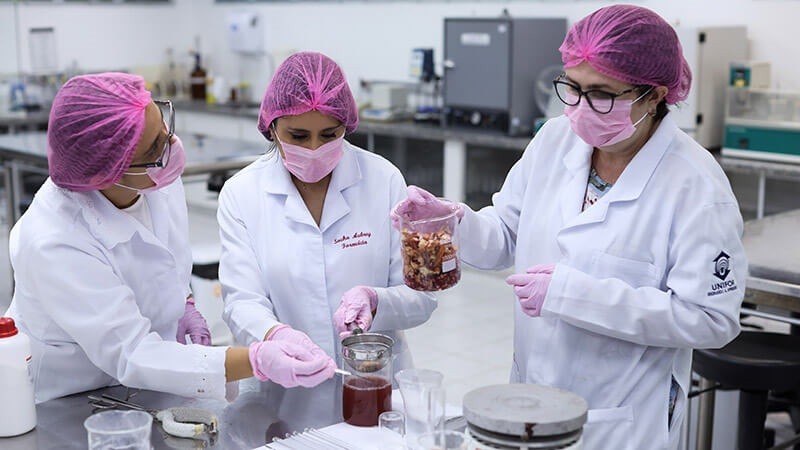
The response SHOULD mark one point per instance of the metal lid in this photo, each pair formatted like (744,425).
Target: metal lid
(367,352)
(525,410)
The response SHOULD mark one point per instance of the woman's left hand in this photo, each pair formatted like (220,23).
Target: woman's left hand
(355,310)
(194,324)
(531,287)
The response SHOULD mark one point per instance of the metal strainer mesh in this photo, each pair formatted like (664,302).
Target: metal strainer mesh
(367,352)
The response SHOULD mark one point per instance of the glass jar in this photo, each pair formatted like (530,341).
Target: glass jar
(430,253)
(368,391)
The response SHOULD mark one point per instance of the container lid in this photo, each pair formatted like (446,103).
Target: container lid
(524,410)
(7,327)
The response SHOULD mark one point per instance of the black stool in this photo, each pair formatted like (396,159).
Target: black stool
(753,363)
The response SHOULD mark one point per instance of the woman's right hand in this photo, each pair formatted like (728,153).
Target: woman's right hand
(421,204)
(289,364)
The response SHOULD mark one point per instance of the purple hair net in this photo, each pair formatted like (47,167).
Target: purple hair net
(631,44)
(96,122)
(308,81)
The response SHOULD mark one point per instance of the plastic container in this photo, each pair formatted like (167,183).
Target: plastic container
(129,430)
(430,253)
(18,413)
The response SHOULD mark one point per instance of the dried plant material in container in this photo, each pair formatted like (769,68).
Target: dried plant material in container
(430,260)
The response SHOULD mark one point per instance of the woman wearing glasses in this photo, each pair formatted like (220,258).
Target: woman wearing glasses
(102,260)
(624,231)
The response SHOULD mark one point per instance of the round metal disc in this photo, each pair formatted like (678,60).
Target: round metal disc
(524,410)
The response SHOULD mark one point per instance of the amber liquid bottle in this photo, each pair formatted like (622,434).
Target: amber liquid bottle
(197,80)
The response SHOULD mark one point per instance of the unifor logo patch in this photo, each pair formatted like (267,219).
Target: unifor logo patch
(722,266)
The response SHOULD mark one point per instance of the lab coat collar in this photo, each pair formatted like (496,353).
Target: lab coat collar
(346,174)
(111,226)
(630,184)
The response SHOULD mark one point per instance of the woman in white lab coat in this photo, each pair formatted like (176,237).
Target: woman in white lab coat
(306,240)
(102,261)
(624,231)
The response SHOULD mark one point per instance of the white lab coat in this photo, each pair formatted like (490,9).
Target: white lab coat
(634,288)
(278,266)
(100,296)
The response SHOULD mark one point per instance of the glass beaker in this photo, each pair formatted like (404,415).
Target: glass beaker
(368,391)
(430,253)
(128,430)
(423,401)
(446,440)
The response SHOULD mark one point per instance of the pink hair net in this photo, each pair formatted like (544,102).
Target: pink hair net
(631,44)
(96,122)
(308,81)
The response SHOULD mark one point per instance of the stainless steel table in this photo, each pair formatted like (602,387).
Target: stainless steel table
(27,152)
(763,170)
(252,420)
(773,252)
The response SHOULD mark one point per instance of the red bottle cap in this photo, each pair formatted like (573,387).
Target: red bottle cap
(7,327)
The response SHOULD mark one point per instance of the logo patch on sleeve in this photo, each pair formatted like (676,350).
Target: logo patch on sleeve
(721,270)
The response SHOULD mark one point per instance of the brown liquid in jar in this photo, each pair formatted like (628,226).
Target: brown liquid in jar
(364,399)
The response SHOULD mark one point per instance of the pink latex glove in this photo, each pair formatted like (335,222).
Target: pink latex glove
(286,333)
(531,287)
(289,364)
(194,324)
(355,310)
(421,204)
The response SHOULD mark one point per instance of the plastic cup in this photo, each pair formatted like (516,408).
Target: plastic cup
(119,430)
(448,440)
(393,421)
(430,253)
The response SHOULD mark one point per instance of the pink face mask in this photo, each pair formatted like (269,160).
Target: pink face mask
(311,166)
(602,130)
(166,175)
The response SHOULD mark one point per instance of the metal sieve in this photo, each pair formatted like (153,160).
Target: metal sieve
(367,352)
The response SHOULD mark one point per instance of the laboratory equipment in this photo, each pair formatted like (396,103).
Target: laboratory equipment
(523,416)
(490,70)
(762,124)
(389,96)
(394,421)
(245,32)
(388,102)
(430,252)
(447,440)
(367,392)
(423,401)
(750,74)
(180,421)
(18,414)
(709,51)
(421,66)
(109,430)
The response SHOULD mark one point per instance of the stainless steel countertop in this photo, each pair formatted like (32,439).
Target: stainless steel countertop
(203,154)
(488,138)
(773,247)
(258,414)
(33,118)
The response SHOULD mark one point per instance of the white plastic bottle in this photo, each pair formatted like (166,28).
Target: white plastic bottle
(18,414)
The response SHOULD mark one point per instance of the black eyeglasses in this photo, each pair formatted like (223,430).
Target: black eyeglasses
(169,121)
(600,101)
